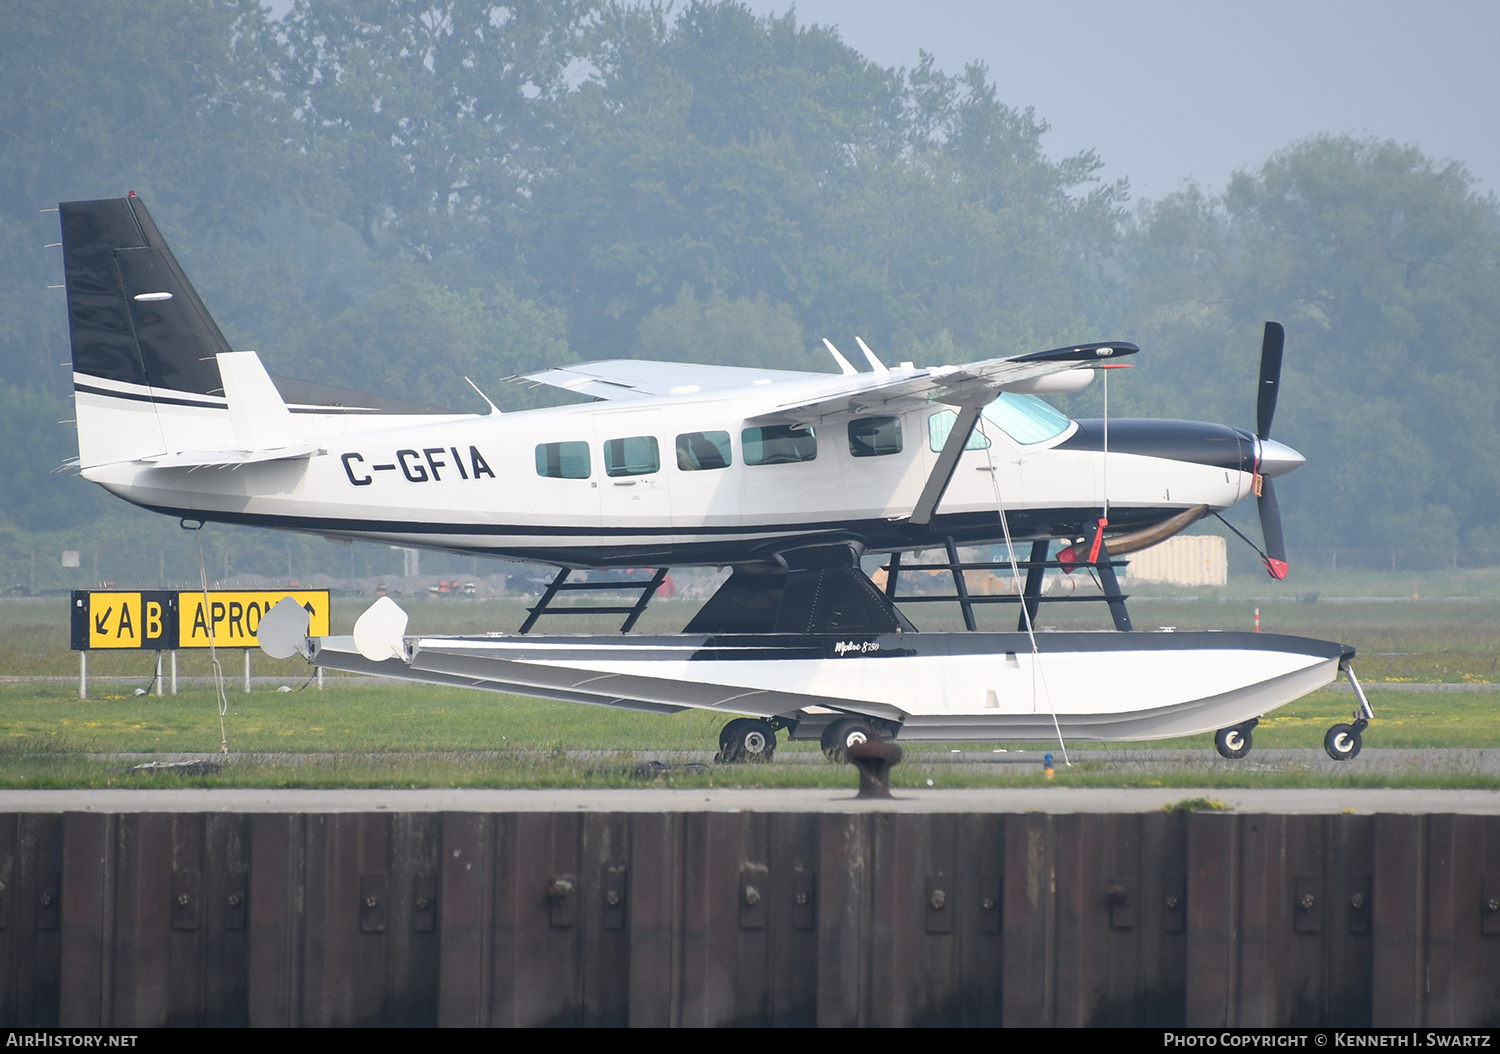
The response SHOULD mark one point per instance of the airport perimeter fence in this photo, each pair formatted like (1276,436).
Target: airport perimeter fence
(370,569)
(743,918)
(171,562)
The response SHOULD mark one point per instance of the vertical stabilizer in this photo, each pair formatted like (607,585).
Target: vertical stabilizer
(145,371)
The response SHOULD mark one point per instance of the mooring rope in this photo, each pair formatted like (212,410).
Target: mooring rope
(1015,578)
(213,653)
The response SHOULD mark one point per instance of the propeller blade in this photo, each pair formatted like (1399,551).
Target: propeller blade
(1270,378)
(1270,529)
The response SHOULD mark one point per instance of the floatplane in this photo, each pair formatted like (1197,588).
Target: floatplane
(790,478)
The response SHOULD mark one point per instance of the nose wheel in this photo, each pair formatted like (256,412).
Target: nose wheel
(1343,741)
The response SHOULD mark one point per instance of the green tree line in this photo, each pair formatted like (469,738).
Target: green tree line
(394,195)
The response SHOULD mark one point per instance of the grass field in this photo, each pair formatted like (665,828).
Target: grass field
(407,735)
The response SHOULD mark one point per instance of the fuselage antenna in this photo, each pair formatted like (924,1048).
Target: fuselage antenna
(845,366)
(875,364)
(493,408)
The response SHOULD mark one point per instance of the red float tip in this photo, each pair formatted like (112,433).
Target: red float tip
(1278,568)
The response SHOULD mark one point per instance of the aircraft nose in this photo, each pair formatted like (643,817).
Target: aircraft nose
(1277,459)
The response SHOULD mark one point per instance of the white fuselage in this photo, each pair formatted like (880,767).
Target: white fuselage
(467,483)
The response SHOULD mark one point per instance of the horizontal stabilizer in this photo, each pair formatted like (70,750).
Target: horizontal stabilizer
(232,458)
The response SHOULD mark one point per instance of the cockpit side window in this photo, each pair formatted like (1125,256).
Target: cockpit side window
(940,426)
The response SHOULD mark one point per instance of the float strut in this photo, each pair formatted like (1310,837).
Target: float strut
(892,570)
(1036,573)
(960,584)
(1111,584)
(646,595)
(536,612)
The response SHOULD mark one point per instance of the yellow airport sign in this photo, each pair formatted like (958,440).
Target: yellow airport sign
(162,620)
(234,618)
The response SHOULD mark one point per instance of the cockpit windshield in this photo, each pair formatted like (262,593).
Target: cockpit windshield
(1026,418)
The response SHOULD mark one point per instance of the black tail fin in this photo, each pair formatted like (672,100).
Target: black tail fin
(133,315)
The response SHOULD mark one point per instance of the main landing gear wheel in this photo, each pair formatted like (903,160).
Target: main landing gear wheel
(747,739)
(841,735)
(1234,743)
(1343,741)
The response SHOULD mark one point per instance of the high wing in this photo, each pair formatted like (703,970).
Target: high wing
(891,391)
(640,378)
(976,384)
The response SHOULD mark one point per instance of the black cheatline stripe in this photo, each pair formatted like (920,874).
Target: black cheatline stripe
(139,398)
(954,523)
(317,524)
(816,646)
(368,411)
(222,404)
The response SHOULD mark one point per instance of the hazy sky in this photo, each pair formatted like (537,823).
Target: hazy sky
(1167,90)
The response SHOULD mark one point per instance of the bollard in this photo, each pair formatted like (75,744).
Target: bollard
(874,759)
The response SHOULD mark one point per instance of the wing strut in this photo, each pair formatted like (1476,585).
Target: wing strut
(947,464)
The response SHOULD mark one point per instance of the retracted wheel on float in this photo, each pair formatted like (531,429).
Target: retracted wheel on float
(1234,743)
(747,739)
(1343,741)
(841,735)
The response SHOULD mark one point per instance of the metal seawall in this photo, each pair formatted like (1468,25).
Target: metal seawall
(747,918)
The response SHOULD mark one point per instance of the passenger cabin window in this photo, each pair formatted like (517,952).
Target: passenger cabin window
(778,445)
(875,436)
(635,456)
(563,460)
(698,451)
